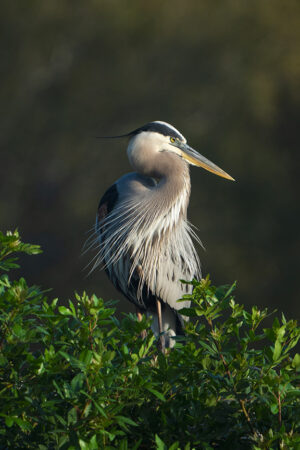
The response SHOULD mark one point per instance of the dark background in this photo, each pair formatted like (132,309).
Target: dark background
(225,73)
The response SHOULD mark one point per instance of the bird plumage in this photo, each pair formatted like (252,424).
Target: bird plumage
(146,251)
(143,237)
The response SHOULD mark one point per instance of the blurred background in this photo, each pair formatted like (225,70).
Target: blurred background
(227,76)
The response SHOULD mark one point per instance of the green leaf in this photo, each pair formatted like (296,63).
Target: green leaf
(127,420)
(72,416)
(157,394)
(58,389)
(296,362)
(63,440)
(274,408)
(25,425)
(93,443)
(97,406)
(277,350)
(64,311)
(84,445)
(160,445)
(9,421)
(189,312)
(77,382)
(86,357)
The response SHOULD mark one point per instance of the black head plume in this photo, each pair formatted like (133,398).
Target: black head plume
(115,137)
(156,127)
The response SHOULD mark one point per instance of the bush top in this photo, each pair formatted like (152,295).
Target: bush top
(74,376)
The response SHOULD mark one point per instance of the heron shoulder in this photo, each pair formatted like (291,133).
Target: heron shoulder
(133,184)
(127,186)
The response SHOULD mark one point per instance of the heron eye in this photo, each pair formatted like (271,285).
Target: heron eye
(172,139)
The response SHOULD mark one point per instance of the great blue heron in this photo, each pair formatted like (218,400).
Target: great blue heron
(143,237)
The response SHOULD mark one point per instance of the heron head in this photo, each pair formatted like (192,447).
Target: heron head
(157,137)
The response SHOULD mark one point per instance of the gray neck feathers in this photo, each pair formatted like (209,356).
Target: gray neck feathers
(172,190)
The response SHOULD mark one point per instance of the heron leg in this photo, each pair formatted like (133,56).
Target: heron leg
(160,327)
(140,316)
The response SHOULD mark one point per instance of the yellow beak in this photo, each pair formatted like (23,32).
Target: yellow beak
(194,158)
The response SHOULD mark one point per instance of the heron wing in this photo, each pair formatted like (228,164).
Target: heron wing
(107,203)
(119,271)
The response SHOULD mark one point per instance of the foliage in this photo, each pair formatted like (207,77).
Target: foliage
(75,377)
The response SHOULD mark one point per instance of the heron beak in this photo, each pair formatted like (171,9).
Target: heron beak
(194,158)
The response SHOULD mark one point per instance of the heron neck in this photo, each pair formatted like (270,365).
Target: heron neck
(173,189)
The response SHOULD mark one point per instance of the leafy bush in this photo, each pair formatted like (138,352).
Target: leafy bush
(77,378)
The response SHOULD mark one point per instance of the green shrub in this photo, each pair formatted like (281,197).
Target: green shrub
(77,378)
